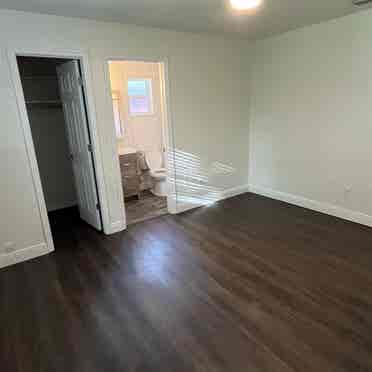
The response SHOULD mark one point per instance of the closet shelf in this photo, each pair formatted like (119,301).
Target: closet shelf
(49,103)
(39,77)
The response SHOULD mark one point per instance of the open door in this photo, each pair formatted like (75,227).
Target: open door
(72,96)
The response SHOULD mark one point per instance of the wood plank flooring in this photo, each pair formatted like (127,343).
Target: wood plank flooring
(149,206)
(247,285)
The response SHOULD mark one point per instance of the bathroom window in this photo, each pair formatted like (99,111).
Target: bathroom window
(117,118)
(140,97)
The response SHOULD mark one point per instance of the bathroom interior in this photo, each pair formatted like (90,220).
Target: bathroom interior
(138,101)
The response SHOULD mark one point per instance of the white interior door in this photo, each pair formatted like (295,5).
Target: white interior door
(72,96)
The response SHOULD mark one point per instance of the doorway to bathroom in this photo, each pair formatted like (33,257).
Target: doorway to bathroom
(140,117)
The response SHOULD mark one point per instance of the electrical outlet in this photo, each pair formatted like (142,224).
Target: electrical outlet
(347,192)
(8,247)
(348,189)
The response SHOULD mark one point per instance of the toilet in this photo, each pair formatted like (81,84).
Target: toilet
(158,173)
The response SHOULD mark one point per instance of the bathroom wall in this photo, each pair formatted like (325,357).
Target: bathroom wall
(142,132)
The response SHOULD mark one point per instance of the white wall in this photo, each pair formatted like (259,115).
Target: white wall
(208,95)
(142,132)
(311,117)
(49,135)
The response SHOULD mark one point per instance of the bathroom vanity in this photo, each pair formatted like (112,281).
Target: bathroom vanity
(130,172)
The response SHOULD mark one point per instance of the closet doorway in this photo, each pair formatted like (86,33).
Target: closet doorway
(55,102)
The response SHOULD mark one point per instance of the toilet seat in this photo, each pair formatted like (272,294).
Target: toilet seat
(159,174)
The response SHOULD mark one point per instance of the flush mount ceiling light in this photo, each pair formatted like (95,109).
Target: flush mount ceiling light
(361,2)
(245,4)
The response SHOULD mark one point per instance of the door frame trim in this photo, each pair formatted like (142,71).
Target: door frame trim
(167,127)
(83,59)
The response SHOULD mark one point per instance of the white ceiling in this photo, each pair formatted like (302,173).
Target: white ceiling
(275,16)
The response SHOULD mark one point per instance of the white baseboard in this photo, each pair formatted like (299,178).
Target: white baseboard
(326,208)
(229,193)
(24,254)
(225,194)
(184,206)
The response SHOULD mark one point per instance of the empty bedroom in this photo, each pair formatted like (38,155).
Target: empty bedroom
(186,185)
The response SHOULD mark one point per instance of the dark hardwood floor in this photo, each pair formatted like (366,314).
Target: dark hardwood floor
(249,284)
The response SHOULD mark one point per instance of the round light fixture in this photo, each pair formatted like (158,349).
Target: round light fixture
(245,4)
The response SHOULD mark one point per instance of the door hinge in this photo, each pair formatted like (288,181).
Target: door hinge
(90,147)
(98,206)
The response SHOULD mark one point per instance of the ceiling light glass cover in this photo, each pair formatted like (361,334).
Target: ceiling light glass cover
(245,4)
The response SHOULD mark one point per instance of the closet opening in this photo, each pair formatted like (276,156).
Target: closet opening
(54,95)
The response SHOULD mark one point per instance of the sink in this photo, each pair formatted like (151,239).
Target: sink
(127,150)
